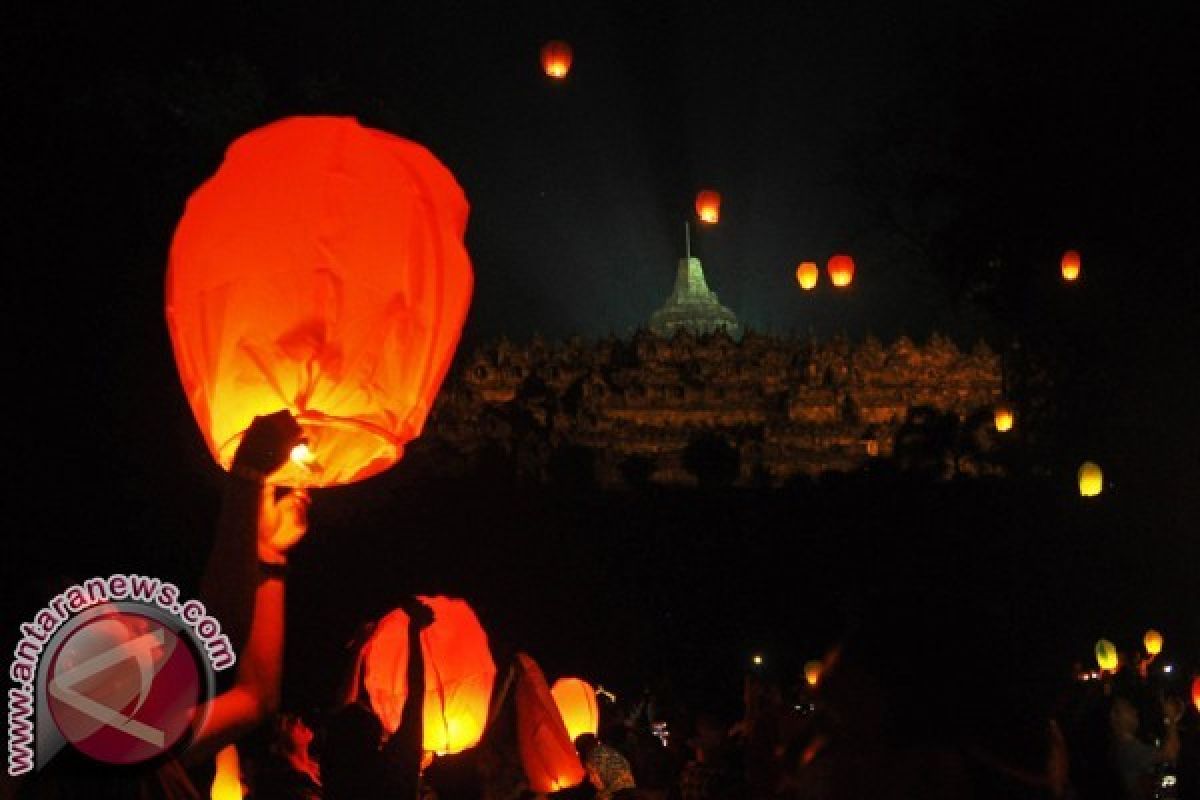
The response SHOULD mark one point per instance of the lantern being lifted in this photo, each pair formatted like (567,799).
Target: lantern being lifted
(807,275)
(841,270)
(547,751)
(1106,655)
(708,206)
(576,701)
(1070,265)
(320,270)
(1153,641)
(556,59)
(459,673)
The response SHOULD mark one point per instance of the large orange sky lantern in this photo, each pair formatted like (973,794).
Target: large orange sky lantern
(459,673)
(841,270)
(576,701)
(321,270)
(547,751)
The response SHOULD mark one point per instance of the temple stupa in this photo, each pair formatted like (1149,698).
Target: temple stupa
(692,306)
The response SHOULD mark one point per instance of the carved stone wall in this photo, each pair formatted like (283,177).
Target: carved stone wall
(786,406)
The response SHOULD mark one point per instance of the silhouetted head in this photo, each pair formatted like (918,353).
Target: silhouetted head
(585,743)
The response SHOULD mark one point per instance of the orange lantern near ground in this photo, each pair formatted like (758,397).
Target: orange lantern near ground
(459,673)
(320,270)
(556,59)
(1071,264)
(576,701)
(1153,641)
(547,751)
(807,275)
(227,782)
(1003,417)
(708,206)
(1091,479)
(812,672)
(1106,655)
(841,270)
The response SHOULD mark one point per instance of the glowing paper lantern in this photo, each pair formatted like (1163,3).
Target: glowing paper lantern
(812,672)
(547,751)
(1071,264)
(556,59)
(1196,692)
(807,275)
(321,270)
(841,270)
(227,783)
(459,673)
(1003,417)
(576,701)
(1106,655)
(1153,641)
(1091,479)
(708,206)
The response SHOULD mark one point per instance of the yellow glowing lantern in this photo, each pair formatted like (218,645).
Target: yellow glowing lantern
(1106,655)
(556,59)
(227,783)
(1071,265)
(1153,641)
(1091,479)
(807,275)
(708,206)
(841,270)
(812,672)
(576,701)
(1003,417)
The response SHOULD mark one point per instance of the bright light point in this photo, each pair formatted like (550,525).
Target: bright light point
(302,455)
(1168,669)
(757,659)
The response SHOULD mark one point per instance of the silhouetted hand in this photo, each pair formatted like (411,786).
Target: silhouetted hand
(267,443)
(420,615)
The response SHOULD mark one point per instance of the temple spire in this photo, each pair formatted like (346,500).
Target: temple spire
(687,240)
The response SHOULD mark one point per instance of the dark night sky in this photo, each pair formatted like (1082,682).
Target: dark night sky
(929,142)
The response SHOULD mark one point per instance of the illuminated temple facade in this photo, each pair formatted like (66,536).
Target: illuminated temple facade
(785,406)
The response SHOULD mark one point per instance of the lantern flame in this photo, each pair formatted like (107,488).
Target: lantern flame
(227,783)
(303,455)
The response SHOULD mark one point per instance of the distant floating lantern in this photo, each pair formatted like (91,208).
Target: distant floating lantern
(708,206)
(1091,479)
(459,673)
(1153,641)
(812,672)
(1196,692)
(556,59)
(841,270)
(1003,417)
(227,782)
(1071,265)
(1106,655)
(547,751)
(320,270)
(807,275)
(576,701)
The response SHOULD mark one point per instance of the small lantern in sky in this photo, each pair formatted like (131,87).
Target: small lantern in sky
(812,672)
(841,270)
(708,206)
(1153,642)
(1106,655)
(807,275)
(1071,265)
(556,59)
(1091,479)
(1003,417)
